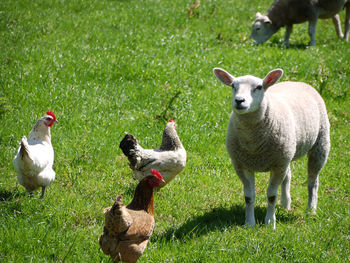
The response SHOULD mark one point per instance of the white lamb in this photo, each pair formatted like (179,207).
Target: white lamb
(270,126)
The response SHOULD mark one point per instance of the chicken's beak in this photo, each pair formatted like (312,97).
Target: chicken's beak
(162,181)
(56,120)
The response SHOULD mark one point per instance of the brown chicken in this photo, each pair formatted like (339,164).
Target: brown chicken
(128,228)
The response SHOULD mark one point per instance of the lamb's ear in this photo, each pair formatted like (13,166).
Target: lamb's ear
(272,77)
(223,76)
(257,15)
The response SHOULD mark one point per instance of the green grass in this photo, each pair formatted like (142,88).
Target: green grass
(112,66)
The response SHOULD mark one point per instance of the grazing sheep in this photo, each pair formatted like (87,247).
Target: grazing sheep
(289,12)
(270,126)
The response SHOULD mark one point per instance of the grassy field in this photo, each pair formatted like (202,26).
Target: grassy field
(108,67)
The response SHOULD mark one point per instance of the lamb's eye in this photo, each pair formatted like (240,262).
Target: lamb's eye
(259,87)
(233,87)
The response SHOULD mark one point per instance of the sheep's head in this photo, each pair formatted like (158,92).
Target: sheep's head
(262,29)
(248,91)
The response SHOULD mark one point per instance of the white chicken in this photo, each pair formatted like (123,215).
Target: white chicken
(169,159)
(35,156)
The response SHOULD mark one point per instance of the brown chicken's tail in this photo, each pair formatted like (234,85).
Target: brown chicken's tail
(118,201)
(117,218)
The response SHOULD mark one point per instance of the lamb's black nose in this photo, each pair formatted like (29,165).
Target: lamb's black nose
(239,101)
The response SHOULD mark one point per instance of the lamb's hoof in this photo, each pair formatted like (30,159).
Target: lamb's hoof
(271,221)
(286,203)
(271,226)
(250,224)
(311,211)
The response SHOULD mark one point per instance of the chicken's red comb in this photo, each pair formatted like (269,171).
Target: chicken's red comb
(158,174)
(171,120)
(51,114)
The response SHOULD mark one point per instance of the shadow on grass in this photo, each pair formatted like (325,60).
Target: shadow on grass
(278,43)
(9,203)
(221,218)
(298,46)
(217,218)
(6,195)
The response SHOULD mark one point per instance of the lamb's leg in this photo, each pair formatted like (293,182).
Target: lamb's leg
(336,21)
(276,178)
(317,158)
(248,181)
(289,29)
(312,31)
(347,22)
(285,190)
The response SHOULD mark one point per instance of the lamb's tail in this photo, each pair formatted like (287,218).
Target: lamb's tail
(130,147)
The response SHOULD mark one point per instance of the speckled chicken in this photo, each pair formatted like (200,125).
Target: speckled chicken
(169,159)
(128,229)
(34,159)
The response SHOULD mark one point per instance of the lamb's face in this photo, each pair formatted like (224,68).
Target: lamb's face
(262,29)
(247,94)
(248,91)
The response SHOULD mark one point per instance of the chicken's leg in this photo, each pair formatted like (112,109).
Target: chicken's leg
(43,191)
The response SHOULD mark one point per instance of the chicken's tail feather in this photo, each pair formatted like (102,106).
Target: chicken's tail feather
(24,151)
(119,199)
(115,208)
(129,147)
(118,218)
(128,144)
